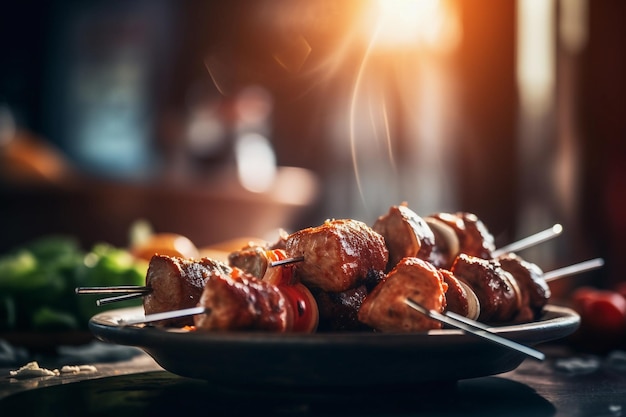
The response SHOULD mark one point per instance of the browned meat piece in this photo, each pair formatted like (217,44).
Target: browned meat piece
(406,234)
(460,299)
(339,311)
(177,283)
(384,308)
(496,289)
(239,301)
(474,238)
(529,277)
(252,259)
(337,255)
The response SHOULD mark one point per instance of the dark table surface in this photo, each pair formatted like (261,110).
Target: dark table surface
(567,383)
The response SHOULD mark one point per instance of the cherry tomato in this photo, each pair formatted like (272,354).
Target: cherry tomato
(602,319)
(606,310)
(581,298)
(302,302)
(304,307)
(600,308)
(621,289)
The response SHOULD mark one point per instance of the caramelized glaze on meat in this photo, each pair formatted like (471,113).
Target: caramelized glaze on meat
(338,255)
(456,296)
(239,301)
(529,277)
(496,289)
(177,283)
(384,308)
(406,234)
(474,238)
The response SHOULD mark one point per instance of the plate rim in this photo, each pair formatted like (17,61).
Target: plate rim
(331,359)
(102,325)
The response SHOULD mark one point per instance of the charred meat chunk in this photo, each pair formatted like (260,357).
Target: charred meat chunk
(534,289)
(496,289)
(385,309)
(406,234)
(339,310)
(239,301)
(338,255)
(177,283)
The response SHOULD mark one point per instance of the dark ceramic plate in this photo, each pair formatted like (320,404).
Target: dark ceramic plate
(331,359)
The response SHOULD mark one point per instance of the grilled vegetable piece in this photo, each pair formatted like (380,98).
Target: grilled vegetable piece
(460,298)
(447,245)
(474,237)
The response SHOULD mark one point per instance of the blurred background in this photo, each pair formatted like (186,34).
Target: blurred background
(218,120)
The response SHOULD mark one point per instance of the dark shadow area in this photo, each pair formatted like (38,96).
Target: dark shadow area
(162,393)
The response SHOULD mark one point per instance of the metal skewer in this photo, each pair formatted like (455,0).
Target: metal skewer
(117,298)
(174,314)
(120,289)
(287,261)
(529,241)
(573,269)
(129,292)
(475,328)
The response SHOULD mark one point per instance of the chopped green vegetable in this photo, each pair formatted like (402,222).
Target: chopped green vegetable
(15,269)
(106,265)
(37,282)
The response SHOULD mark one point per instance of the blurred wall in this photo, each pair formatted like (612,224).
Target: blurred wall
(211,49)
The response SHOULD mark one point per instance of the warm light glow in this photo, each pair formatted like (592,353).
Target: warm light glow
(256,162)
(411,23)
(536,53)
(404,68)
(573,24)
(399,20)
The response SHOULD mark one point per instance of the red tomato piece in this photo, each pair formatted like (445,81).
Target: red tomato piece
(606,310)
(280,275)
(304,306)
(621,289)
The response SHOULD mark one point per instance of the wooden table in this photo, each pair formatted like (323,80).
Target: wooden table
(565,384)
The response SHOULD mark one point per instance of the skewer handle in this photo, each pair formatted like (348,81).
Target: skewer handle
(475,328)
(578,268)
(118,298)
(529,241)
(165,316)
(120,289)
